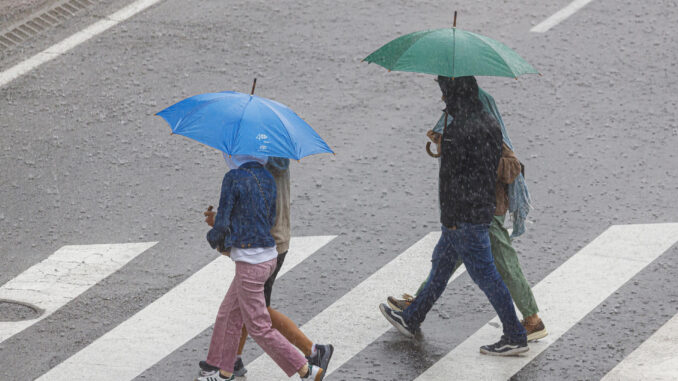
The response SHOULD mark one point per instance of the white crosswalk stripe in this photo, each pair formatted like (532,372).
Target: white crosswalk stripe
(351,323)
(166,324)
(566,295)
(63,276)
(655,359)
(354,321)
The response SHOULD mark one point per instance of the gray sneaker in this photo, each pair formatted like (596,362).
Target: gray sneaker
(322,356)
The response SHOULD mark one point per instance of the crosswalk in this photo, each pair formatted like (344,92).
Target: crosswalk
(64,275)
(352,322)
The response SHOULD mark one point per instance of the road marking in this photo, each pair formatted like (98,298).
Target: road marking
(74,40)
(566,296)
(63,276)
(655,359)
(166,324)
(559,16)
(354,321)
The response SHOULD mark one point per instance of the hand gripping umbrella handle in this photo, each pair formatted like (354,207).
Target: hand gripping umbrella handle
(429,152)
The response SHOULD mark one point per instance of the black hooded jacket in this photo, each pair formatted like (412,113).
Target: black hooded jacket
(471,149)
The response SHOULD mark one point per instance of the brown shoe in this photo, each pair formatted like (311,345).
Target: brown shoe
(400,304)
(535,331)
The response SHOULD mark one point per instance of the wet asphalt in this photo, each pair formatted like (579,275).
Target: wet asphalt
(84,160)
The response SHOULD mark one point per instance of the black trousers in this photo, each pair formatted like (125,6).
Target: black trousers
(268,286)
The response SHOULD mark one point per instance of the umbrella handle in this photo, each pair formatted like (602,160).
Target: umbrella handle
(429,152)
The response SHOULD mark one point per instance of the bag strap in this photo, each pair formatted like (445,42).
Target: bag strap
(261,190)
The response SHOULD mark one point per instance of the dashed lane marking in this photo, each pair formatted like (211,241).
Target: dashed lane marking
(559,16)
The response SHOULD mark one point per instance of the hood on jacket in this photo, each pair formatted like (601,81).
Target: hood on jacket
(460,95)
(235,161)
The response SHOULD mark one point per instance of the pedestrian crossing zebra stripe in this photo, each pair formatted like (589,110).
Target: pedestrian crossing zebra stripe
(167,323)
(353,322)
(566,296)
(655,359)
(63,276)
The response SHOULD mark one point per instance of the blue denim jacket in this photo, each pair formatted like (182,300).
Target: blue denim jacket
(245,216)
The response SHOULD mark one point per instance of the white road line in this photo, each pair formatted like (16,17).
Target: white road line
(566,296)
(559,16)
(74,40)
(655,359)
(354,321)
(166,324)
(63,276)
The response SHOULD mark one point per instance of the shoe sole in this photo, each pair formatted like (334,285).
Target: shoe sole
(394,323)
(537,335)
(512,352)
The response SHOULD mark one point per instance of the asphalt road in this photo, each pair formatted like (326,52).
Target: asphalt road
(83,160)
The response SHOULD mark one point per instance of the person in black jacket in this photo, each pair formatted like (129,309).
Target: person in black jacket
(471,149)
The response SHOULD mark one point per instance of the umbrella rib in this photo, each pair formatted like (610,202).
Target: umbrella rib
(244,109)
(284,129)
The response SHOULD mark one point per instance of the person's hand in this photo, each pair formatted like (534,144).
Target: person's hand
(434,136)
(209,216)
(226,252)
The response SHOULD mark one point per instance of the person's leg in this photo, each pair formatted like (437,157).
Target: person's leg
(258,321)
(290,331)
(443,262)
(508,266)
(226,330)
(474,246)
(421,287)
(268,289)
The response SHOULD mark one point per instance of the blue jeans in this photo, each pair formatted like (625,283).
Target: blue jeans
(471,242)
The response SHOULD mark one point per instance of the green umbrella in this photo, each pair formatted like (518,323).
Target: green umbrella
(450,52)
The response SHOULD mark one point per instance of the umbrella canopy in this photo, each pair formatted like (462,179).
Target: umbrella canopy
(244,124)
(450,52)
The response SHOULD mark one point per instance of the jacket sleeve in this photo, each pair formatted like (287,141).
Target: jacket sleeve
(220,234)
(509,166)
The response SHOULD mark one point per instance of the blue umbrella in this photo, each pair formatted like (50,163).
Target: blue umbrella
(244,124)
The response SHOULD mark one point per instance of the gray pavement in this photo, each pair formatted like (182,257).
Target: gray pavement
(83,160)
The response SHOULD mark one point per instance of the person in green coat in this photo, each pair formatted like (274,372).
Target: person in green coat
(512,195)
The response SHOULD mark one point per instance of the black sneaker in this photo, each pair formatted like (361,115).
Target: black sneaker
(239,369)
(396,318)
(505,347)
(207,369)
(322,356)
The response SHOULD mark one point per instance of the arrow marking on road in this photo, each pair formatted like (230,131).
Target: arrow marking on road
(63,276)
(354,321)
(167,323)
(566,296)
(655,359)
(559,16)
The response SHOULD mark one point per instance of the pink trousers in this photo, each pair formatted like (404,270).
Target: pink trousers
(245,304)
